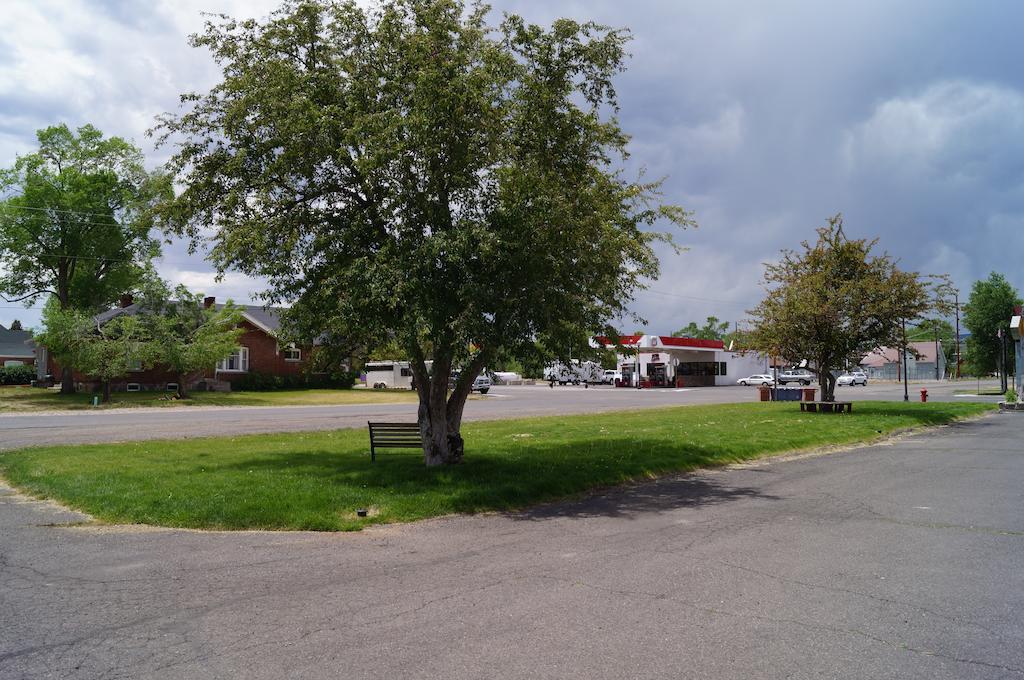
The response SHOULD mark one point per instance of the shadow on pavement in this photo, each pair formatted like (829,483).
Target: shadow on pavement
(655,496)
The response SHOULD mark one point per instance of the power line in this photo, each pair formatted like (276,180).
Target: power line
(8,206)
(109,259)
(113,222)
(694,297)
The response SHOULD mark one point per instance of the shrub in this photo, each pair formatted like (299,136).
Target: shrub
(17,375)
(1011,396)
(265,382)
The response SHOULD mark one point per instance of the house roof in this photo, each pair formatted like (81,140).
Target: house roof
(16,344)
(925,351)
(267,319)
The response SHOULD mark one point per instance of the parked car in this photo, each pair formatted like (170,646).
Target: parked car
(610,376)
(759,379)
(854,378)
(802,376)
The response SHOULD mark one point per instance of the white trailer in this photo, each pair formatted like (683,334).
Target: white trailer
(390,374)
(575,372)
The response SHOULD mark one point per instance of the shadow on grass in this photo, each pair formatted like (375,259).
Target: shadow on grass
(511,480)
(922,414)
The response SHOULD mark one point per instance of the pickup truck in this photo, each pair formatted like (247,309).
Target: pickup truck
(797,376)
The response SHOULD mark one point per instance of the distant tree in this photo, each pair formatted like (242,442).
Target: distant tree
(935,330)
(411,172)
(65,334)
(713,329)
(15,325)
(833,302)
(112,350)
(75,223)
(188,338)
(988,310)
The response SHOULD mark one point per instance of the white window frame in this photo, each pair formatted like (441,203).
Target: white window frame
(242,356)
(289,350)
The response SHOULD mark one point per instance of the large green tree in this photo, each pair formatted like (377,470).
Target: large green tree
(75,221)
(409,172)
(833,301)
(988,310)
(713,329)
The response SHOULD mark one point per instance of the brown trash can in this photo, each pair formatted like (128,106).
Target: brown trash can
(808,393)
(765,392)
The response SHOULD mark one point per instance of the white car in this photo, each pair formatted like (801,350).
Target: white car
(855,378)
(757,380)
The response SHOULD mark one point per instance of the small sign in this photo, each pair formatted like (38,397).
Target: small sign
(655,357)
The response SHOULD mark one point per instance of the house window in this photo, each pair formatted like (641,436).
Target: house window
(235,363)
(292,353)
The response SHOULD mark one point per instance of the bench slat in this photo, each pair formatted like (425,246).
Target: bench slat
(393,436)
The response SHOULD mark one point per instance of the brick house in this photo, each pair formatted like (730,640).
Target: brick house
(16,348)
(259,351)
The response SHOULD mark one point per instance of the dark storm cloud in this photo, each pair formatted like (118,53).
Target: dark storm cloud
(769,117)
(765,118)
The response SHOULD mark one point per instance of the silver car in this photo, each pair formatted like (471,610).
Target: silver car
(759,379)
(481,384)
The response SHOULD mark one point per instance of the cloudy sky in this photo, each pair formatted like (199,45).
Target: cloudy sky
(765,118)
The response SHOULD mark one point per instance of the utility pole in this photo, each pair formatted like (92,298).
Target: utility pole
(956,306)
(936,322)
(906,392)
(1003,383)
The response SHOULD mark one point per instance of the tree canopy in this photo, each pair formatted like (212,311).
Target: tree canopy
(188,337)
(713,329)
(409,173)
(833,301)
(76,220)
(988,310)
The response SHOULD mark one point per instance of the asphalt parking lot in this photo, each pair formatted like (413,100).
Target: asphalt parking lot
(903,560)
(19,430)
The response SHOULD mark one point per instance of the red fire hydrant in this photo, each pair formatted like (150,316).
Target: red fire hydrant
(924,395)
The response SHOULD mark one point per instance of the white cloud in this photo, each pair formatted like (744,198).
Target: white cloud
(952,130)
(231,286)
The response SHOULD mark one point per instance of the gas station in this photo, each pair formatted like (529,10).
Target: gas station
(667,361)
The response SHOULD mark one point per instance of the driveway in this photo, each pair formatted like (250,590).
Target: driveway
(19,430)
(903,560)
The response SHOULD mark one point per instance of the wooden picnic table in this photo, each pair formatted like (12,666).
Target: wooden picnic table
(827,406)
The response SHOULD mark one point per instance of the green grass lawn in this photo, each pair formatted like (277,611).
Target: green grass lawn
(319,480)
(27,399)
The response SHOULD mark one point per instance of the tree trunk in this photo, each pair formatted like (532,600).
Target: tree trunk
(828,385)
(433,412)
(106,391)
(67,380)
(440,415)
(182,387)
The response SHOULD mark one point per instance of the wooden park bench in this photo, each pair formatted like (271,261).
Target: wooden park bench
(393,436)
(827,406)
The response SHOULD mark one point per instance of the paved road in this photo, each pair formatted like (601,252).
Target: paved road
(502,402)
(895,561)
